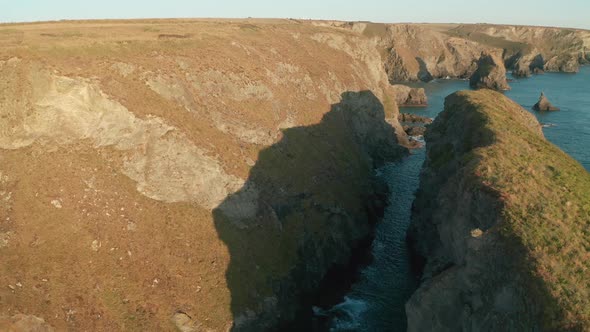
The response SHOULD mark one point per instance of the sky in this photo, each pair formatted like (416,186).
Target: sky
(566,13)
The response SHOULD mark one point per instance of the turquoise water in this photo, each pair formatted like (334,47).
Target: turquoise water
(376,302)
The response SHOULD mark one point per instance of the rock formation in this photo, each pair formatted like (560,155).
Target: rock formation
(564,63)
(419,53)
(413,118)
(415,130)
(407,96)
(490,74)
(531,63)
(422,52)
(544,104)
(484,224)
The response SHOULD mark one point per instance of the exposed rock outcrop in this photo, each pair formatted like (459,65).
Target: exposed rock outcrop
(485,224)
(413,118)
(490,73)
(407,96)
(544,104)
(420,53)
(415,130)
(564,63)
(531,63)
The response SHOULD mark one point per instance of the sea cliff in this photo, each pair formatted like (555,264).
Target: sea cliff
(499,225)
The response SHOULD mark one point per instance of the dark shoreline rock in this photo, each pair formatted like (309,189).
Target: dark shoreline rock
(544,104)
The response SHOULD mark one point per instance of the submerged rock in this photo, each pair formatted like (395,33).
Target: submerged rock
(544,104)
(490,73)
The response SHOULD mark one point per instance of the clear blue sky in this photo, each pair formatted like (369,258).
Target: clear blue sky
(571,13)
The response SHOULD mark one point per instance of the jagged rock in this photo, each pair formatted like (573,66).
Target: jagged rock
(544,104)
(490,73)
(490,252)
(565,63)
(419,53)
(407,96)
(415,130)
(413,118)
(528,64)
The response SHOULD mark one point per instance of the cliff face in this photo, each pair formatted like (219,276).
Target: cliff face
(490,73)
(532,49)
(498,218)
(203,168)
(420,53)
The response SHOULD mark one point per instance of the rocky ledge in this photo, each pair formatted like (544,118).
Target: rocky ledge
(499,214)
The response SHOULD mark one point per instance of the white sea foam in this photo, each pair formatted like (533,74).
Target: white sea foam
(347,315)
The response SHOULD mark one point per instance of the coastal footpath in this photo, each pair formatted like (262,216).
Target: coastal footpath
(500,224)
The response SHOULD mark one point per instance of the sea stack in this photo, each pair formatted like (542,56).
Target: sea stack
(544,104)
(490,73)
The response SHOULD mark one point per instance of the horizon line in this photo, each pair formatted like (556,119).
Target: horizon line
(83,20)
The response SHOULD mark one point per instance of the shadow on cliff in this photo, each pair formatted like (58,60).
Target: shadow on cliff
(308,200)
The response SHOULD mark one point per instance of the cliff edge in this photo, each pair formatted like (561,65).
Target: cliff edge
(500,223)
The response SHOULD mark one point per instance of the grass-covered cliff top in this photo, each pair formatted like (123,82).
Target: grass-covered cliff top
(545,196)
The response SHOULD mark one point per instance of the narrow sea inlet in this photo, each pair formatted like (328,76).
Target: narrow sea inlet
(377,301)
